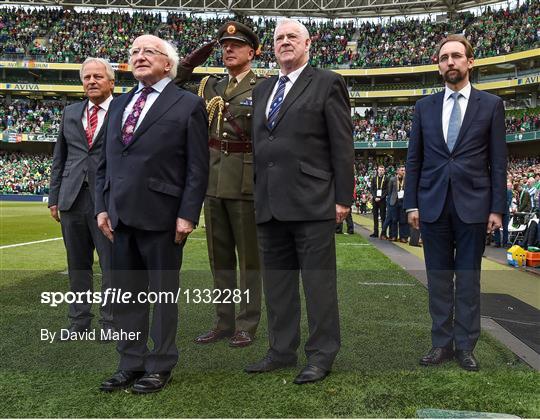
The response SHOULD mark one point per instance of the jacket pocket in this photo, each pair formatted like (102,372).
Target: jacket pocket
(163,187)
(317,173)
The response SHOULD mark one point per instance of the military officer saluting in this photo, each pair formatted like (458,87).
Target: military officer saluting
(228,207)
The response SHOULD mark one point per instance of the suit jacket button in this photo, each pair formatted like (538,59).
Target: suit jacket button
(224,134)
(248,115)
(227,104)
(270,164)
(225,119)
(125,153)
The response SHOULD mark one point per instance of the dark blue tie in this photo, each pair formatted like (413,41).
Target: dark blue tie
(277,102)
(454,124)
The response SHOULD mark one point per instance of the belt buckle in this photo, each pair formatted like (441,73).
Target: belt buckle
(223,147)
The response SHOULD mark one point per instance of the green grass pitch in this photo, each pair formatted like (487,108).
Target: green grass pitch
(385,329)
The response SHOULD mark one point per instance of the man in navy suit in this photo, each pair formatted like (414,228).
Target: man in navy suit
(149,191)
(456,173)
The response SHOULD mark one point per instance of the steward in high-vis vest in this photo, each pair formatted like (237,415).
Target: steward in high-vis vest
(228,208)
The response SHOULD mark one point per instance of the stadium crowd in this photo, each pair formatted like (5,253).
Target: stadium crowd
(24,173)
(55,35)
(31,116)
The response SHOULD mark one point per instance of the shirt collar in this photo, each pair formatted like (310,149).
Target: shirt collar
(158,87)
(465,92)
(295,74)
(104,105)
(240,77)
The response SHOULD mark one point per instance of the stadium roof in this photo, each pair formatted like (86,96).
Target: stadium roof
(320,8)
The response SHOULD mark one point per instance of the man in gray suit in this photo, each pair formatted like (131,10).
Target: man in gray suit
(72,190)
(396,191)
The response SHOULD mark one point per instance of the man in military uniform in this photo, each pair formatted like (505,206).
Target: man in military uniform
(228,207)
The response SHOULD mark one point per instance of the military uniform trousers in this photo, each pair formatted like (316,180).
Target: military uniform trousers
(232,242)
(81,236)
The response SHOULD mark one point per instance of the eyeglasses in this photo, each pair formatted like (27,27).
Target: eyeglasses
(146,52)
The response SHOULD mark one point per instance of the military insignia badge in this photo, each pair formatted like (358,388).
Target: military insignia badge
(247,101)
(231,29)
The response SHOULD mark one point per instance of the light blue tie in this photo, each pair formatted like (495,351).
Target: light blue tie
(277,101)
(455,122)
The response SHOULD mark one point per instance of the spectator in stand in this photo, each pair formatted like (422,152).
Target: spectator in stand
(24,173)
(379,190)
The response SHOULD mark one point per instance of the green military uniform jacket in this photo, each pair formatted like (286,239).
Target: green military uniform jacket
(231,174)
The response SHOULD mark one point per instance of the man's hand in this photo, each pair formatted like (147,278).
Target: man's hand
(494,222)
(54,213)
(104,224)
(341,213)
(413,217)
(199,56)
(183,229)
(377,199)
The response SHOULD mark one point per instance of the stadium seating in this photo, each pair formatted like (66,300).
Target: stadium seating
(67,36)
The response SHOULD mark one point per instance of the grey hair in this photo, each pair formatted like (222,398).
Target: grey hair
(172,54)
(299,24)
(108,68)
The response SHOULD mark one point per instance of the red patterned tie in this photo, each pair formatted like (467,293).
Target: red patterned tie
(92,124)
(131,121)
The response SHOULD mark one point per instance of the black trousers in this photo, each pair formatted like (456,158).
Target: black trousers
(290,250)
(454,248)
(81,236)
(143,262)
(379,208)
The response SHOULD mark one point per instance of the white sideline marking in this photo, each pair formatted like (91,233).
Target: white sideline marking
(385,284)
(352,244)
(30,243)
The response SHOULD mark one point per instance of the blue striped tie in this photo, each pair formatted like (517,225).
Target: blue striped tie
(455,122)
(277,102)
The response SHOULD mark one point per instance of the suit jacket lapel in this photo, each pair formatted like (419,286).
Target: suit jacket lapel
(221,86)
(472,108)
(438,100)
(262,102)
(298,87)
(243,86)
(79,116)
(116,113)
(164,101)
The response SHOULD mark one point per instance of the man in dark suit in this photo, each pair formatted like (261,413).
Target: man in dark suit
(455,192)
(379,189)
(150,187)
(396,189)
(303,148)
(72,190)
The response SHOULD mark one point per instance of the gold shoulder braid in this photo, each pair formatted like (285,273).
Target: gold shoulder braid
(202,85)
(216,103)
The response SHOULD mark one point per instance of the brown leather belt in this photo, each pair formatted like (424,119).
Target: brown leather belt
(229,146)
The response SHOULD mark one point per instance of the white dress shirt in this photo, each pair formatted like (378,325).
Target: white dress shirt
(104,108)
(150,99)
(293,76)
(448,104)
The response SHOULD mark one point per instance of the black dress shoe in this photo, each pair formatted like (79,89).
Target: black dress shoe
(120,380)
(311,373)
(373,235)
(436,356)
(151,382)
(212,336)
(467,360)
(267,365)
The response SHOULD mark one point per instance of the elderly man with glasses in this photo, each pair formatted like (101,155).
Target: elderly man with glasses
(149,192)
